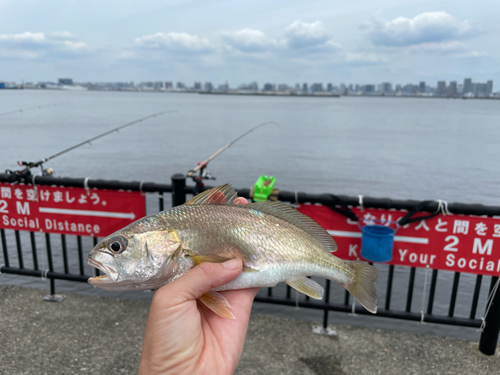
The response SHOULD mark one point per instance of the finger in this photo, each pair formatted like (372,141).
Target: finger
(240,200)
(200,280)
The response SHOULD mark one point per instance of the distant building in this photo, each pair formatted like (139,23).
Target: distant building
(158,85)
(410,89)
(269,87)
(441,88)
(316,87)
(342,88)
(421,87)
(65,81)
(489,87)
(208,86)
(467,86)
(254,86)
(329,87)
(180,85)
(452,89)
(305,88)
(197,86)
(224,87)
(168,85)
(387,88)
(368,89)
(2,85)
(480,90)
(282,87)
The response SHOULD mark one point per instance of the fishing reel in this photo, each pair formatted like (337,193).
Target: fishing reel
(203,174)
(24,175)
(29,165)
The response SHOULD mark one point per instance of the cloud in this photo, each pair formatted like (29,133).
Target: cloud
(30,45)
(298,36)
(305,35)
(431,27)
(248,40)
(26,39)
(175,41)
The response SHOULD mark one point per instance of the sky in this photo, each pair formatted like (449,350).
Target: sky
(282,41)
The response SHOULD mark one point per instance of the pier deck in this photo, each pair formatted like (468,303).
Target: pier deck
(86,334)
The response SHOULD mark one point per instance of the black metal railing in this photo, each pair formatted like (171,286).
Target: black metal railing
(67,261)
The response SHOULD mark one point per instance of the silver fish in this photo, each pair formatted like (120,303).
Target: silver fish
(275,242)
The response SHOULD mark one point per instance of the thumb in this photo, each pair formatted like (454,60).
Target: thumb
(200,280)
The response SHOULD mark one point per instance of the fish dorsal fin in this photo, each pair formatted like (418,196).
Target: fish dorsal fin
(223,194)
(285,212)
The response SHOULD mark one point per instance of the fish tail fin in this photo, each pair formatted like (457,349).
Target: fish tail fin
(363,286)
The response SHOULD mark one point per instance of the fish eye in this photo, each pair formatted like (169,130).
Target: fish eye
(117,244)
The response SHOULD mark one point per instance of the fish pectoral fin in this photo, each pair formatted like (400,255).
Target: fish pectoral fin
(307,286)
(217,303)
(198,259)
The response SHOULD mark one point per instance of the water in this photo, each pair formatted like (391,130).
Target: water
(405,148)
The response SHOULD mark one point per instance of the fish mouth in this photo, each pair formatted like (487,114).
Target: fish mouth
(109,276)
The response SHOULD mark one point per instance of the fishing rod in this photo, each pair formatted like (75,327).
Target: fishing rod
(201,167)
(27,109)
(26,171)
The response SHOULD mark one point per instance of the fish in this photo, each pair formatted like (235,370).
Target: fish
(275,242)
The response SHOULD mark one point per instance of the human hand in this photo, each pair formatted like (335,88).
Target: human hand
(183,336)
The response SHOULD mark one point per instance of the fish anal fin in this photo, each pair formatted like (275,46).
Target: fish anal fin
(217,303)
(223,194)
(363,287)
(307,286)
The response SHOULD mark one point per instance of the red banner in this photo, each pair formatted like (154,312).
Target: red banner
(64,210)
(452,242)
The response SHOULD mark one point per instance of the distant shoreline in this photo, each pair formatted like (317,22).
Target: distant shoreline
(266,93)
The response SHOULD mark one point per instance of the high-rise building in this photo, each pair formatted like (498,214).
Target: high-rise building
(305,88)
(316,87)
(452,89)
(180,85)
(480,90)
(368,89)
(158,85)
(282,87)
(269,87)
(168,85)
(421,87)
(441,88)
(387,88)
(467,86)
(65,81)
(208,86)
(489,87)
(329,87)
(197,86)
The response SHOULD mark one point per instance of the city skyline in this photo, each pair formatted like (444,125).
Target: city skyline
(241,42)
(454,89)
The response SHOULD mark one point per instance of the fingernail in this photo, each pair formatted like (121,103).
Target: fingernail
(232,264)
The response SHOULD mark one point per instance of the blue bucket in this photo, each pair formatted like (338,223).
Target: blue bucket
(376,243)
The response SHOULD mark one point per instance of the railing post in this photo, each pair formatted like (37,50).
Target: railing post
(489,337)
(178,184)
